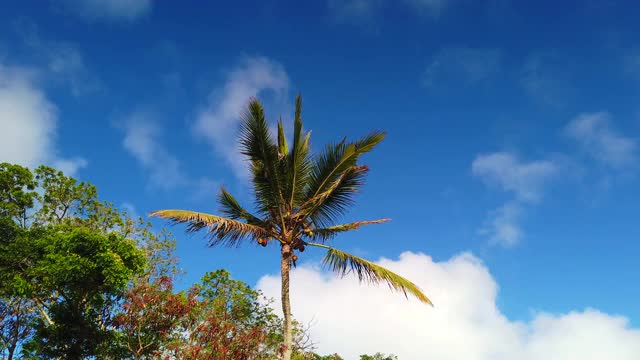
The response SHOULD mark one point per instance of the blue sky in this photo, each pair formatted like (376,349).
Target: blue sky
(513,127)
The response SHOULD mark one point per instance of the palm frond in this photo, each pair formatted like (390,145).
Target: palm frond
(299,164)
(330,165)
(338,159)
(326,207)
(343,263)
(330,232)
(231,208)
(368,142)
(221,230)
(283,148)
(258,145)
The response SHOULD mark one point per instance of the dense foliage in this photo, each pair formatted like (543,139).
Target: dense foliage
(80,279)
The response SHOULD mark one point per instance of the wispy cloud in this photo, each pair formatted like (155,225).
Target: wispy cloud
(130,209)
(525,180)
(365,11)
(362,11)
(547,78)
(597,136)
(60,62)
(461,65)
(218,121)
(108,10)
(503,225)
(431,7)
(505,170)
(143,140)
(631,63)
(29,122)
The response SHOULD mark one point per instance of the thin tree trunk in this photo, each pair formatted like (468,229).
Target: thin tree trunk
(286,305)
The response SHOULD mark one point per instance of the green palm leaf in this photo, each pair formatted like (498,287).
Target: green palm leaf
(221,230)
(283,148)
(338,158)
(257,144)
(335,172)
(232,209)
(330,232)
(299,164)
(343,263)
(325,208)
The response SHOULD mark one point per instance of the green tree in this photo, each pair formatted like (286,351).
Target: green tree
(63,197)
(298,199)
(17,194)
(378,356)
(64,263)
(17,322)
(75,277)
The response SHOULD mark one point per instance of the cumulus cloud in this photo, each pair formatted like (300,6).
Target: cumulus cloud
(524,179)
(220,118)
(143,140)
(467,65)
(109,10)
(465,324)
(593,131)
(29,123)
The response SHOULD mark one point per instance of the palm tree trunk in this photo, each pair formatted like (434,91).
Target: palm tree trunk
(285,268)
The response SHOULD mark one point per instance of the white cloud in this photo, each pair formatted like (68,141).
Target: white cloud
(130,209)
(548,78)
(60,61)
(432,6)
(465,324)
(29,123)
(205,190)
(143,141)
(69,166)
(366,10)
(631,63)
(524,179)
(109,10)
(360,10)
(503,225)
(219,120)
(595,134)
(466,64)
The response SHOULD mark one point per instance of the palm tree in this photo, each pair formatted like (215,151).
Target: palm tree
(298,198)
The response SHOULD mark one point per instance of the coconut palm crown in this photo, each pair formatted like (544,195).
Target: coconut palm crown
(298,200)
